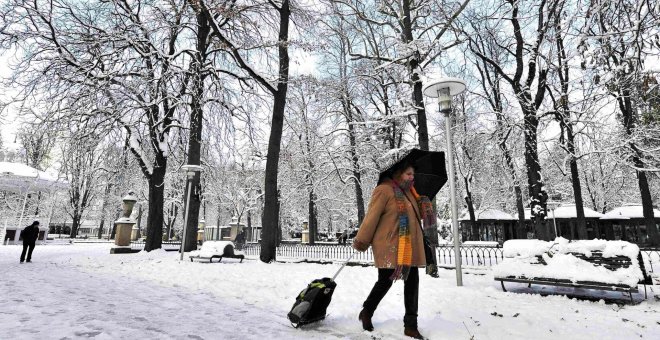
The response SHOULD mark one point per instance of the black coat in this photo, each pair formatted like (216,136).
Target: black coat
(30,234)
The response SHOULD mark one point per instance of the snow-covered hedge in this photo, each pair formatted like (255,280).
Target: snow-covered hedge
(521,260)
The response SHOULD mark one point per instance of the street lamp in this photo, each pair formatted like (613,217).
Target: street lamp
(191,170)
(553,205)
(444,89)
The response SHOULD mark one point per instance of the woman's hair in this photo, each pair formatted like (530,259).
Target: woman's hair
(397,169)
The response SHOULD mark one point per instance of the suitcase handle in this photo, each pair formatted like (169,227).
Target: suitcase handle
(343,265)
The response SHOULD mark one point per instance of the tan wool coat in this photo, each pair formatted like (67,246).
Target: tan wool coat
(380,228)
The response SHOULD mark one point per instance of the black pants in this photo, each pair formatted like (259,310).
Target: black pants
(29,252)
(410,294)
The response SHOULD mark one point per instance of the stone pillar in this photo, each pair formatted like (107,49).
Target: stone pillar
(200,231)
(305,233)
(134,233)
(125,226)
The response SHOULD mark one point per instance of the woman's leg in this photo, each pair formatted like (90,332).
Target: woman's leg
(25,247)
(377,293)
(410,298)
(379,290)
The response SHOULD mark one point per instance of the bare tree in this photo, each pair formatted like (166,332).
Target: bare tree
(38,141)
(564,113)
(109,68)
(619,36)
(239,52)
(422,37)
(490,82)
(526,52)
(81,164)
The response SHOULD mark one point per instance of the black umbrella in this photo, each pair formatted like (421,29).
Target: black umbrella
(430,171)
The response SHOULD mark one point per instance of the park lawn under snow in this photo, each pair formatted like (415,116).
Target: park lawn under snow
(81,291)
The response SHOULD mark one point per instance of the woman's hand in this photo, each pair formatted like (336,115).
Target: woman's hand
(360,246)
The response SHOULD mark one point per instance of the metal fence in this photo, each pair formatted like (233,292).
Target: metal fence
(470,255)
(166,245)
(329,252)
(475,256)
(651,258)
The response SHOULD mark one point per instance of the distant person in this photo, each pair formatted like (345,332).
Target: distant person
(343,237)
(29,235)
(240,240)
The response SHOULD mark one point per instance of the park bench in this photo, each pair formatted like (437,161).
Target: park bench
(216,250)
(595,264)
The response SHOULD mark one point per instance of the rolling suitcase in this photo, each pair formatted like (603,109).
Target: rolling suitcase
(313,301)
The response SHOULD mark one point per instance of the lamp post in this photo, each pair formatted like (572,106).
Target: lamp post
(444,89)
(191,170)
(553,205)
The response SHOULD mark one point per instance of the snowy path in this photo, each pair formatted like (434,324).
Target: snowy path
(81,291)
(68,303)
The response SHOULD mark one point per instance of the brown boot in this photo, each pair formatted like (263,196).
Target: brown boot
(413,333)
(365,317)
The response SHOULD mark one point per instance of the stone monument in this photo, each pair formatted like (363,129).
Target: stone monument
(304,238)
(200,231)
(125,226)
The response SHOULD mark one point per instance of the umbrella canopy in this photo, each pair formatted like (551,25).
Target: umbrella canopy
(430,171)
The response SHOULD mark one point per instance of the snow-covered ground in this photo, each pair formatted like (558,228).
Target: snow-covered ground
(81,291)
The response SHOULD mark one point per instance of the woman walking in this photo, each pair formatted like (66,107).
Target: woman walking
(392,228)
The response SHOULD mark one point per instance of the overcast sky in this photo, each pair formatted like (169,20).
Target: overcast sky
(6,116)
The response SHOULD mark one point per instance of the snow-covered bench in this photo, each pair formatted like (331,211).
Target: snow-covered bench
(592,264)
(216,250)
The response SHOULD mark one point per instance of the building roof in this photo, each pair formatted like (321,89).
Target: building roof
(20,177)
(628,212)
(569,211)
(566,211)
(488,214)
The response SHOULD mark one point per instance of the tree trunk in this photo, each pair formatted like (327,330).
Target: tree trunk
(313,222)
(249,225)
(629,123)
(413,71)
(100,233)
(357,177)
(155,218)
(104,208)
(538,196)
(567,124)
(193,211)
(196,124)
(470,205)
(577,189)
(270,222)
(521,230)
(647,204)
(417,99)
(75,224)
(114,226)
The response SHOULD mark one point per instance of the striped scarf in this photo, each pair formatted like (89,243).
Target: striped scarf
(426,207)
(404,250)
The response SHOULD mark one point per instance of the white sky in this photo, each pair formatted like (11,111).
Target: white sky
(8,123)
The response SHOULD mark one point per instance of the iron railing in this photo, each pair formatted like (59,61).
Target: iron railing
(475,256)
(166,245)
(329,252)
(470,255)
